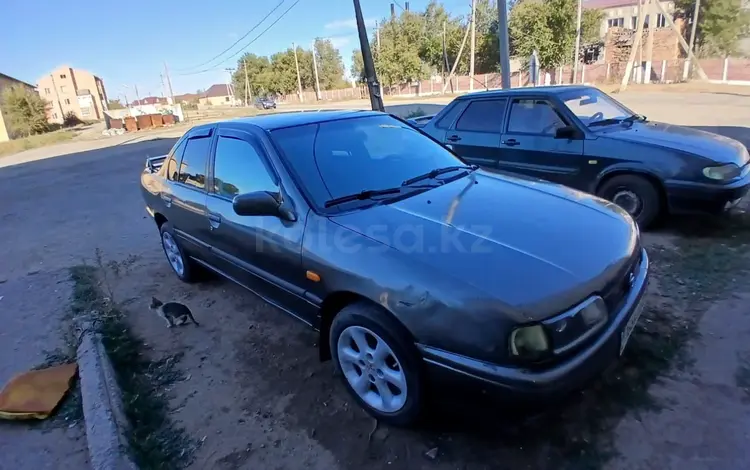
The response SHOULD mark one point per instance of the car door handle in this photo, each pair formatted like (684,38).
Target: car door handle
(214,221)
(454,138)
(167,199)
(511,142)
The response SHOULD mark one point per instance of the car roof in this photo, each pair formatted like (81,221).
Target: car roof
(275,121)
(541,90)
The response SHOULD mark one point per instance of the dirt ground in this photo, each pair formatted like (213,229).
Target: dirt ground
(255,396)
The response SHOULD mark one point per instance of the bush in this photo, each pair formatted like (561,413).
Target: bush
(71,119)
(26,111)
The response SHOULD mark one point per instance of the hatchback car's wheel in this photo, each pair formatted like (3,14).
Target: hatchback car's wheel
(378,363)
(185,269)
(636,195)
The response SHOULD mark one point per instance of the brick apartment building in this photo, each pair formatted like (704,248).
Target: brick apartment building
(7,81)
(73,90)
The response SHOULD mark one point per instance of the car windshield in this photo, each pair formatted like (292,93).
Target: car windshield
(595,108)
(344,157)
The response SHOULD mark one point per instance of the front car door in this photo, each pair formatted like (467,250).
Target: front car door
(263,253)
(531,147)
(187,198)
(475,136)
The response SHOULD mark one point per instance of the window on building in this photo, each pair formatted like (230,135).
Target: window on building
(63,76)
(63,89)
(634,22)
(194,159)
(661,21)
(67,101)
(226,98)
(85,111)
(54,116)
(615,23)
(239,168)
(46,91)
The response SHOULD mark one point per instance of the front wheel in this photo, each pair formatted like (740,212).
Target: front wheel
(636,194)
(378,362)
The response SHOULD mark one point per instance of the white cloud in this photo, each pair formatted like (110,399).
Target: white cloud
(339,42)
(349,24)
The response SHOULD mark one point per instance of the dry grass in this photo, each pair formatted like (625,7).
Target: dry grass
(41,140)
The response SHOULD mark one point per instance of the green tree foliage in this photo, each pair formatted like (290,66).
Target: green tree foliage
(721,25)
(357,70)
(549,26)
(25,111)
(278,75)
(115,104)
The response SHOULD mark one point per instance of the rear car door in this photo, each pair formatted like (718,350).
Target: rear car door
(262,253)
(476,134)
(531,147)
(188,192)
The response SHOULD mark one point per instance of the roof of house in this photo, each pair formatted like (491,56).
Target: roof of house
(215,91)
(149,100)
(17,80)
(599,4)
(186,97)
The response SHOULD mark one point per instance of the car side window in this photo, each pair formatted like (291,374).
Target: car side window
(239,169)
(483,116)
(530,116)
(174,155)
(454,109)
(194,160)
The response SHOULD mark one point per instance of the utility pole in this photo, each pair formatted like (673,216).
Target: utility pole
(229,85)
(502,35)
(634,49)
(169,84)
(668,17)
(650,14)
(315,68)
(458,57)
(299,79)
(247,82)
(688,64)
(376,100)
(446,64)
(578,41)
(137,97)
(473,43)
(57,96)
(639,70)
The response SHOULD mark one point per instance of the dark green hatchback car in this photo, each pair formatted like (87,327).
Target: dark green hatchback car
(583,138)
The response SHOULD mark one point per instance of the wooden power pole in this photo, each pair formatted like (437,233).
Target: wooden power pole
(299,80)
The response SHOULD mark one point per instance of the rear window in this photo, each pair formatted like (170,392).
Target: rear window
(483,116)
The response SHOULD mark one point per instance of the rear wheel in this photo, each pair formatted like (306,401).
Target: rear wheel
(378,363)
(183,266)
(636,195)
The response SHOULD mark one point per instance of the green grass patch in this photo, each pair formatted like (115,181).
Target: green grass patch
(40,140)
(156,442)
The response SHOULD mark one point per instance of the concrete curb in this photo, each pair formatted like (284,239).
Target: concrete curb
(103,413)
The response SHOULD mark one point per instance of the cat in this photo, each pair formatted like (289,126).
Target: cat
(175,313)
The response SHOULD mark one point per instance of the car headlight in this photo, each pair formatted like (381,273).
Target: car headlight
(574,326)
(723,172)
(529,342)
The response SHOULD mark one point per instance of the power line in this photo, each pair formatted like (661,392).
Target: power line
(216,66)
(237,41)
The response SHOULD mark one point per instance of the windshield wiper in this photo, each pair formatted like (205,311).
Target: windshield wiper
(361,196)
(437,172)
(634,117)
(605,122)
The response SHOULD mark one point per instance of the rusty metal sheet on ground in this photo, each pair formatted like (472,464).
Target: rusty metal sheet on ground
(35,394)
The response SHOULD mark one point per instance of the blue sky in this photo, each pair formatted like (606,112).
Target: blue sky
(126,43)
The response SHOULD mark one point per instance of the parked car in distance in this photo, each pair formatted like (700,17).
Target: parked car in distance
(412,265)
(265,103)
(581,137)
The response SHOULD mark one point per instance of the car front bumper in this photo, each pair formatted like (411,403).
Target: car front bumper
(692,197)
(570,375)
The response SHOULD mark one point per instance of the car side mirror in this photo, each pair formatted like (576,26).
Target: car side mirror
(257,203)
(567,132)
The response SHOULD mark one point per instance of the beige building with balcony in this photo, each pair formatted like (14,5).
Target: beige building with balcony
(73,90)
(7,81)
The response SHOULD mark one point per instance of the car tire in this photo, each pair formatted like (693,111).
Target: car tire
(636,194)
(387,365)
(176,257)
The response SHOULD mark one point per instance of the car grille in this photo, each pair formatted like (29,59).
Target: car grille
(618,291)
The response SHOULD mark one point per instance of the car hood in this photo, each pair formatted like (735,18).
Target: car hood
(536,248)
(715,147)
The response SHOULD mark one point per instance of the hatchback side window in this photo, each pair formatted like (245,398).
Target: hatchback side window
(529,116)
(194,160)
(239,168)
(483,116)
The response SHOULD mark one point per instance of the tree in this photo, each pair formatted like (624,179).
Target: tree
(357,69)
(26,111)
(721,25)
(115,104)
(330,65)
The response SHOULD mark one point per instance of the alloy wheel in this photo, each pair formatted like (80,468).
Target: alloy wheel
(173,253)
(629,201)
(372,369)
